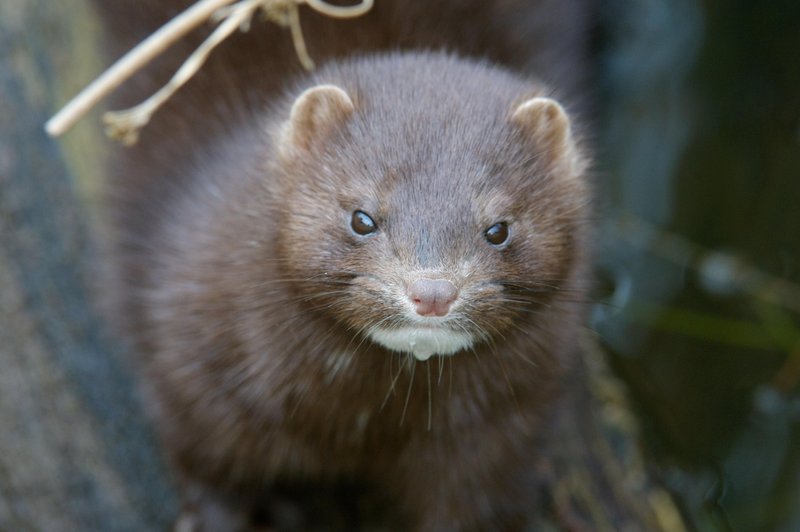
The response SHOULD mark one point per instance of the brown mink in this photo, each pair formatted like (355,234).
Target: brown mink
(371,283)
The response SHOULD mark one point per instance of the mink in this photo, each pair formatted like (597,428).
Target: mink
(364,282)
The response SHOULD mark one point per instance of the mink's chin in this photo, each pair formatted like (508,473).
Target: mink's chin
(422,341)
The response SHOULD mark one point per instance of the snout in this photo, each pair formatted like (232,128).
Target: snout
(432,297)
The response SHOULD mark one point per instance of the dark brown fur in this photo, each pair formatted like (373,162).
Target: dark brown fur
(246,295)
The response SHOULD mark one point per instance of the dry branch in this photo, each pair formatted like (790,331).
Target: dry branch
(230,16)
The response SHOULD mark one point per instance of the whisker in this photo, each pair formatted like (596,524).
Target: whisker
(408,393)
(430,401)
(533,340)
(390,391)
(484,335)
(364,336)
(450,387)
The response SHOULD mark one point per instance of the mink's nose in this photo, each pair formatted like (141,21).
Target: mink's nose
(432,297)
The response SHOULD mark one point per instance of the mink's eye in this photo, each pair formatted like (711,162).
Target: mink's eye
(497,234)
(362,224)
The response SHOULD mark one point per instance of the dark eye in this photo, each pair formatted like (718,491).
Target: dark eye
(362,224)
(497,234)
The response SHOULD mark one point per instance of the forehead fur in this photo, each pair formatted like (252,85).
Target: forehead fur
(435,126)
(430,112)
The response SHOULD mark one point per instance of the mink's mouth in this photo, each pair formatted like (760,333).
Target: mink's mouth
(422,341)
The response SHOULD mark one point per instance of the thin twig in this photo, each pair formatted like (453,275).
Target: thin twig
(297,39)
(125,125)
(340,11)
(131,63)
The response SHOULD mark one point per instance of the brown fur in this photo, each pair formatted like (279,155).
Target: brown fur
(247,296)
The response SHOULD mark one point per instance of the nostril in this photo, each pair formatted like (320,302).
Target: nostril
(432,297)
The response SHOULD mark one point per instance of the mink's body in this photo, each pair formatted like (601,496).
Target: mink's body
(417,353)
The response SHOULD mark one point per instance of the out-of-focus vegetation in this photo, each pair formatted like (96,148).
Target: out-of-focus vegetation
(700,260)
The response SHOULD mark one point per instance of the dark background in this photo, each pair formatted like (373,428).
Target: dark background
(700,260)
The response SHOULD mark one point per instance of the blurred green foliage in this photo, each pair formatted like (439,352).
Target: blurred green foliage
(700,261)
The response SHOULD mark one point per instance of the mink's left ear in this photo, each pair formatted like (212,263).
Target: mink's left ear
(548,126)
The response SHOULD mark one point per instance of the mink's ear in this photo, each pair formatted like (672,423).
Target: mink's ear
(547,124)
(314,115)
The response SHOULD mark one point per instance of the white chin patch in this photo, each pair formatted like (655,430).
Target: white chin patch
(420,341)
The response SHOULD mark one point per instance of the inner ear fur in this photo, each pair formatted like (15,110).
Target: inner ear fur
(315,113)
(547,124)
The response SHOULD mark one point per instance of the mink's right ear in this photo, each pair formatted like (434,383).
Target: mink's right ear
(314,115)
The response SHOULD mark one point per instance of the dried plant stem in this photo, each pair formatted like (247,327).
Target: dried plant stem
(297,38)
(125,125)
(132,62)
(339,11)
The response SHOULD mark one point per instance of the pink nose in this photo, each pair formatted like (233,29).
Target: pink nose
(432,297)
